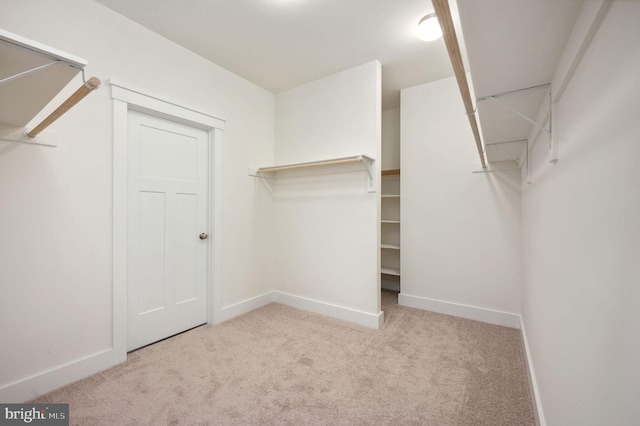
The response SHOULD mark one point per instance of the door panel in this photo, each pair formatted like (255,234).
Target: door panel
(152,250)
(187,257)
(167,155)
(167,211)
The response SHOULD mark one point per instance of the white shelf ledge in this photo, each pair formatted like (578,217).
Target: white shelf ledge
(390,271)
(390,246)
(31,74)
(389,221)
(368,162)
(390,196)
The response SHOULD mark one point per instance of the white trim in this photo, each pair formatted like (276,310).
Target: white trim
(38,384)
(490,316)
(245,306)
(127,98)
(305,304)
(145,101)
(339,312)
(532,378)
(215,216)
(120,228)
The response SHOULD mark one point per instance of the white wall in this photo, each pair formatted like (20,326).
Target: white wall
(56,214)
(460,232)
(327,224)
(582,238)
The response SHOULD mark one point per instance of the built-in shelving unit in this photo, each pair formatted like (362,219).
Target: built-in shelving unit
(368,162)
(390,229)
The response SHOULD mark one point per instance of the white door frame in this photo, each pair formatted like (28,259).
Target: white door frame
(126,98)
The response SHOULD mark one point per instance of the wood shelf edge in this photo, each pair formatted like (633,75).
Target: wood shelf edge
(391,172)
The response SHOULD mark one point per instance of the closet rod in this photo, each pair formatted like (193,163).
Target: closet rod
(443,14)
(92,84)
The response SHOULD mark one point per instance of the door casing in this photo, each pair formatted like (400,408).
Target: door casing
(125,98)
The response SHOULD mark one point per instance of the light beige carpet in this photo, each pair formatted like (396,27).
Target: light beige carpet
(282,366)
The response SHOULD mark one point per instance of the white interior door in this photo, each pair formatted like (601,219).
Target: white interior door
(167,228)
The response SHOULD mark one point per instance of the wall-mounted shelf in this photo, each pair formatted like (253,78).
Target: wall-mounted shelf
(390,271)
(31,75)
(390,246)
(390,221)
(367,161)
(391,172)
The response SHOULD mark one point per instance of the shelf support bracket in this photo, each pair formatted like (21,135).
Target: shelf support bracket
(547,131)
(504,151)
(369,164)
(27,72)
(520,114)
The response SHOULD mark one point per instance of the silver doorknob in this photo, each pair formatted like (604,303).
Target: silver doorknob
(204,236)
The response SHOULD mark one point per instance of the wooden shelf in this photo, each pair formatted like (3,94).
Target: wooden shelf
(329,162)
(391,172)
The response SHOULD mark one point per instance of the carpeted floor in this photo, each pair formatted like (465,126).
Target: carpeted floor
(282,366)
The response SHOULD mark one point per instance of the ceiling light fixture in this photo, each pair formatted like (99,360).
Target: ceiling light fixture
(429,28)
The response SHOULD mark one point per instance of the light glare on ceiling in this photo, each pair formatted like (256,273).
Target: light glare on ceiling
(429,28)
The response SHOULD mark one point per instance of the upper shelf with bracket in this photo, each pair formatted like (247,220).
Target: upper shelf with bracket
(31,75)
(511,78)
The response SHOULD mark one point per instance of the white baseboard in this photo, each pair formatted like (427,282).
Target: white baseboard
(244,307)
(304,303)
(339,312)
(490,316)
(532,378)
(34,386)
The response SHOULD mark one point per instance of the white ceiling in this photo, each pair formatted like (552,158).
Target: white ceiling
(280,44)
